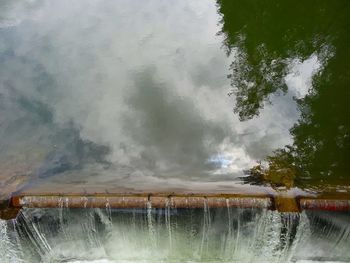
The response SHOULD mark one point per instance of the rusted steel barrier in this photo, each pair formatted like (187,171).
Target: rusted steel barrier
(280,202)
(79,201)
(139,201)
(325,204)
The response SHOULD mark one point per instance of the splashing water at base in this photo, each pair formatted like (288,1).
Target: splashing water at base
(174,235)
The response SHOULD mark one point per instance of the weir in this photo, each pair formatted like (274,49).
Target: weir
(244,224)
(174,131)
(225,234)
(281,202)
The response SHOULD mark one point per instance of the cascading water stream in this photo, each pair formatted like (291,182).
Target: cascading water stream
(173,235)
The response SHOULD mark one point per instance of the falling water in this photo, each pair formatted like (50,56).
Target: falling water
(173,235)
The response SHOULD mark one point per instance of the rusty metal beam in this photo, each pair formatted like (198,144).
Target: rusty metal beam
(280,202)
(325,204)
(111,201)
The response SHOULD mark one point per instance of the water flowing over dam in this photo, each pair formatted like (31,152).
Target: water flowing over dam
(174,131)
(174,235)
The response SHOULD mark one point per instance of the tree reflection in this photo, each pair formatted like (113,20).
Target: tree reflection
(263,36)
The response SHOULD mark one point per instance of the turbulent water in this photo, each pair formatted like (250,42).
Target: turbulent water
(177,235)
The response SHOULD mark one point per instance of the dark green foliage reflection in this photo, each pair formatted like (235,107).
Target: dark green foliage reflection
(263,36)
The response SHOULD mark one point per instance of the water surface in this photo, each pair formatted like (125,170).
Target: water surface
(149,93)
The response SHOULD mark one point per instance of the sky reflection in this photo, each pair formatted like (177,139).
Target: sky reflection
(119,90)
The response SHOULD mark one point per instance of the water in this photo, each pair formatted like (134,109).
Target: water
(199,92)
(182,235)
(189,96)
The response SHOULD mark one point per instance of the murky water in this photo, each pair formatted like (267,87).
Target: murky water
(182,235)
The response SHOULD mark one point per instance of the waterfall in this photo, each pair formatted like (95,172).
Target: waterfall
(173,235)
(8,251)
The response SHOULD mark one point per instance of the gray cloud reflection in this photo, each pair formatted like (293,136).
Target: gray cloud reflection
(130,88)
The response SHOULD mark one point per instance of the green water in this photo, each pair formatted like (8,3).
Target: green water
(270,33)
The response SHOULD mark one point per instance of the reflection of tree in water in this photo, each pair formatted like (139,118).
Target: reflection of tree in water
(263,36)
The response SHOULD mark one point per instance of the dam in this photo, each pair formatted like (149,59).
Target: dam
(186,131)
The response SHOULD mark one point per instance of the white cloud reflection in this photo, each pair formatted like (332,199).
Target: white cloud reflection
(299,80)
(146,78)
